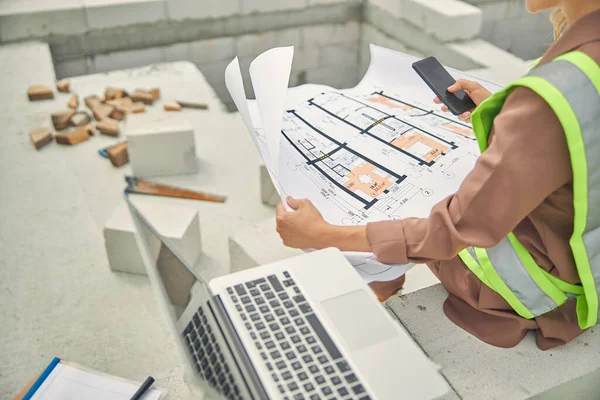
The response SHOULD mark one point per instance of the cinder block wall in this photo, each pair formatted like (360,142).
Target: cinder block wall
(331,37)
(508,25)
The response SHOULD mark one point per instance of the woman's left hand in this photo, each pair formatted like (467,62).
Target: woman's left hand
(303,228)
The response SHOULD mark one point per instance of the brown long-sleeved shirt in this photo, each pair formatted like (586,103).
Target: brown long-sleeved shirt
(521,183)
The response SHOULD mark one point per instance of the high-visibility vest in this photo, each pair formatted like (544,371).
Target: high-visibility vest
(570,84)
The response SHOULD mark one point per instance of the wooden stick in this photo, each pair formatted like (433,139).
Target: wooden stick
(140,186)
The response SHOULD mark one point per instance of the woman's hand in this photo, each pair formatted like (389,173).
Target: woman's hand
(303,228)
(474,90)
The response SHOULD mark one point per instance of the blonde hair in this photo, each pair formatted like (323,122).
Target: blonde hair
(559,21)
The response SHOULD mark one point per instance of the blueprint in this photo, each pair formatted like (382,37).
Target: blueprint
(379,151)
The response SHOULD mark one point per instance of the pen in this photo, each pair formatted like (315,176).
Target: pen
(143,389)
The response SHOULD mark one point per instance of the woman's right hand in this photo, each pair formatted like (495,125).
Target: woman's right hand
(474,90)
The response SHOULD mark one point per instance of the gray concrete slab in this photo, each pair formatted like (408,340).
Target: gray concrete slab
(476,370)
(58,295)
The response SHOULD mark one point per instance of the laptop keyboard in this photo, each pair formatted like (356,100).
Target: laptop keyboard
(303,360)
(208,357)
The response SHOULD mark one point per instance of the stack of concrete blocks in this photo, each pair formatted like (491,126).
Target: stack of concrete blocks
(160,144)
(180,226)
(508,25)
(257,245)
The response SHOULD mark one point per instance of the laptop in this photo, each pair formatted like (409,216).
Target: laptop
(303,328)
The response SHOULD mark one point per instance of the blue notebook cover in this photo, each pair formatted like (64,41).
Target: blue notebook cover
(42,378)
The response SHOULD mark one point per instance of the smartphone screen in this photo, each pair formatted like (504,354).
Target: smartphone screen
(439,79)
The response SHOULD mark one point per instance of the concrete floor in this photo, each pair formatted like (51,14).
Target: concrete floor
(58,295)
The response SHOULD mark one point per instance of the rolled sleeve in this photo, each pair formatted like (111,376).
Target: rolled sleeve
(387,241)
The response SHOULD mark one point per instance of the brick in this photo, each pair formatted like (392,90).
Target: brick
(112,93)
(124,102)
(92,101)
(39,92)
(193,9)
(73,137)
(143,96)
(62,119)
(205,51)
(155,92)
(80,119)
(73,102)
(118,154)
(102,111)
(108,126)
(40,137)
(102,14)
(257,43)
(63,86)
(446,20)
(118,114)
(320,35)
(263,6)
(197,106)
(136,108)
(172,106)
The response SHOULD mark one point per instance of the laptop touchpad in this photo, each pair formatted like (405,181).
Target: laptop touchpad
(359,322)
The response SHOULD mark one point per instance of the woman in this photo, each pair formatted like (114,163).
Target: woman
(508,246)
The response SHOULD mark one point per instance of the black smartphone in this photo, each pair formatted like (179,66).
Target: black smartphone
(439,79)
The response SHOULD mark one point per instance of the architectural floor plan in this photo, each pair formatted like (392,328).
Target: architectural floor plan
(372,155)
(380,151)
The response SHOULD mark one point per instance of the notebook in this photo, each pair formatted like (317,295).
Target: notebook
(63,380)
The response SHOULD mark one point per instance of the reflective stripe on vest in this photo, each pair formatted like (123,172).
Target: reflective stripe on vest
(571,86)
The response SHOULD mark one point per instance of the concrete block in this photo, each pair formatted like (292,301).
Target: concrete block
(486,54)
(305,58)
(395,7)
(21,20)
(257,245)
(160,144)
(496,11)
(70,68)
(210,50)
(194,9)
(268,193)
(102,14)
(476,370)
(257,43)
(179,225)
(320,35)
(215,75)
(339,77)
(263,6)
(177,52)
(338,54)
(128,59)
(447,20)
(319,2)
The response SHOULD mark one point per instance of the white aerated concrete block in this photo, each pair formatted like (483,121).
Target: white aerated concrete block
(268,193)
(160,144)
(339,54)
(211,50)
(195,9)
(258,6)
(394,7)
(177,52)
(128,59)
(257,43)
(447,20)
(320,35)
(102,14)
(258,245)
(39,18)
(179,226)
(339,77)
(70,68)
